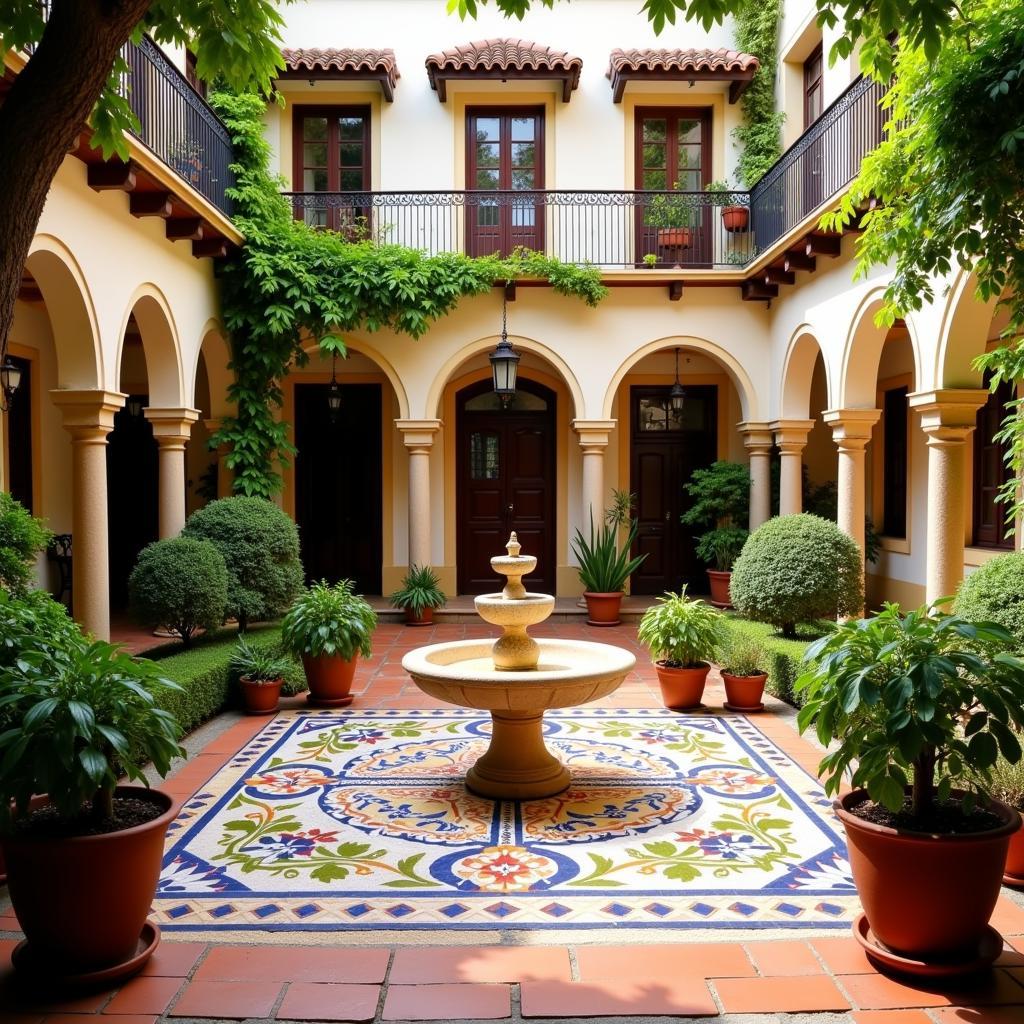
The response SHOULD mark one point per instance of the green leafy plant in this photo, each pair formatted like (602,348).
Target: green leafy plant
(681,632)
(32,620)
(926,700)
(22,537)
(1006,782)
(620,511)
(329,620)
(994,592)
(797,569)
(258,664)
(743,655)
(672,211)
(82,712)
(180,583)
(823,500)
(421,589)
(721,502)
(260,547)
(604,566)
(650,259)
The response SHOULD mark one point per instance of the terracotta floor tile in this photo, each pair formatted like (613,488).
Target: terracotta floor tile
(843,956)
(657,962)
(780,995)
(76,1018)
(979,1015)
(307,1001)
(879,992)
(1008,918)
(618,996)
(144,995)
(17,1000)
(173,959)
(294,963)
(426,965)
(784,959)
(447,1002)
(891,1017)
(235,1000)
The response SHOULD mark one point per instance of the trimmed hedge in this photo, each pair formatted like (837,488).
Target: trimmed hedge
(995,593)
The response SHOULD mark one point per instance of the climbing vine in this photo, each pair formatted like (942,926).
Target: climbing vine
(760,134)
(290,283)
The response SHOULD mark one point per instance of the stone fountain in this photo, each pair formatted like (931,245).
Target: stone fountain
(517,678)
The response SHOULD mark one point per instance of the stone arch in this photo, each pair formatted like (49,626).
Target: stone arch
(963,334)
(215,352)
(71,311)
(159,343)
(797,373)
(432,407)
(751,407)
(363,348)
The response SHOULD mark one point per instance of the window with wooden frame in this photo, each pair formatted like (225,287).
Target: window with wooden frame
(331,153)
(814,94)
(191,76)
(895,462)
(991,472)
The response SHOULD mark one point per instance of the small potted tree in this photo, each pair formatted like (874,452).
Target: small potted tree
(328,627)
(735,218)
(683,636)
(83,860)
(419,595)
(675,218)
(721,504)
(743,674)
(604,568)
(919,707)
(260,672)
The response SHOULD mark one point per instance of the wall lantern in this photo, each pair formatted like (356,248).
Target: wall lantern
(334,391)
(677,393)
(504,362)
(10,381)
(134,406)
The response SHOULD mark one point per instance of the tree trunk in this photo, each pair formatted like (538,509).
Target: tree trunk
(47,106)
(924,782)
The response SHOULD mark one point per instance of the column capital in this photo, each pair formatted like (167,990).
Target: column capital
(418,434)
(851,428)
(594,433)
(757,437)
(791,435)
(948,414)
(88,415)
(171,426)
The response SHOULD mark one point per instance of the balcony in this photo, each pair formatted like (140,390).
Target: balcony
(624,229)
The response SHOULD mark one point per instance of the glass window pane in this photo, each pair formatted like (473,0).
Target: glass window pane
(488,129)
(487,179)
(487,154)
(652,414)
(524,154)
(351,128)
(314,155)
(314,181)
(690,131)
(689,181)
(654,155)
(314,129)
(350,154)
(524,216)
(352,181)
(689,156)
(487,216)
(523,180)
(524,129)
(654,129)
(483,456)
(655,180)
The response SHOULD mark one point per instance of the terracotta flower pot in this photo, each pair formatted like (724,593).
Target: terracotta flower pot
(603,609)
(926,897)
(736,218)
(744,693)
(682,688)
(330,679)
(424,618)
(82,902)
(260,695)
(1013,874)
(674,238)
(719,581)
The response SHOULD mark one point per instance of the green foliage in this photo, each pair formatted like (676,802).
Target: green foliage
(743,655)
(783,658)
(252,661)
(260,546)
(620,511)
(995,593)
(1006,363)
(290,283)
(1006,783)
(669,211)
(681,632)
(79,712)
(329,620)
(894,692)
(22,537)
(823,500)
(179,583)
(721,502)
(797,569)
(32,620)
(604,566)
(421,589)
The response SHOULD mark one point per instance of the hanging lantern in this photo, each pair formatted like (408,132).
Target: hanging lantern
(334,392)
(677,393)
(134,405)
(504,362)
(10,379)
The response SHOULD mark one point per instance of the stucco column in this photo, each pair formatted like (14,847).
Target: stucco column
(593,441)
(171,428)
(947,418)
(757,439)
(418,436)
(791,439)
(851,431)
(89,418)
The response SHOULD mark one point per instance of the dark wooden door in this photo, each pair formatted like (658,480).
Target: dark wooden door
(504,152)
(338,498)
(506,481)
(991,472)
(818,149)
(666,449)
(19,437)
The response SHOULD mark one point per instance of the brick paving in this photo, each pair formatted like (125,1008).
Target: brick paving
(748,980)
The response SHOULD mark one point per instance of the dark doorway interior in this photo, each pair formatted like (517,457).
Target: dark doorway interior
(19,437)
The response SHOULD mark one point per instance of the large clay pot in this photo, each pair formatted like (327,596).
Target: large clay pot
(682,688)
(674,238)
(260,695)
(423,618)
(1012,875)
(926,897)
(744,693)
(603,609)
(330,679)
(735,218)
(82,902)
(719,581)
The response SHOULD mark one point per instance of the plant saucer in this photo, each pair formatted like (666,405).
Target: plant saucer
(320,702)
(753,709)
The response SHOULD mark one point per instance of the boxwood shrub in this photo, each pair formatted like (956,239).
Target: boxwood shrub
(995,593)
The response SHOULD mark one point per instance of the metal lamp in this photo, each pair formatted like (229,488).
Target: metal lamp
(334,391)
(677,393)
(10,379)
(134,406)
(504,362)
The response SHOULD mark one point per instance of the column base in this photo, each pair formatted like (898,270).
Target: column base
(517,765)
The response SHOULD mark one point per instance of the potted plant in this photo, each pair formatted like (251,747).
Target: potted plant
(84,859)
(650,260)
(419,595)
(675,217)
(260,675)
(919,707)
(328,627)
(683,637)
(743,673)
(721,503)
(604,569)
(735,218)
(1008,786)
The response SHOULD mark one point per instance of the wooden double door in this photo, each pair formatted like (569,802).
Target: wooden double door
(505,468)
(666,449)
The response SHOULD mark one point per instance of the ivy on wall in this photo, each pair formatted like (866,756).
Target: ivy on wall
(290,283)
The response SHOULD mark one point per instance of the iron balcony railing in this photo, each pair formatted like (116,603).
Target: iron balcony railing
(622,228)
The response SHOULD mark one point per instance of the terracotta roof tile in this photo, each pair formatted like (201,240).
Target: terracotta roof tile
(721,64)
(349,61)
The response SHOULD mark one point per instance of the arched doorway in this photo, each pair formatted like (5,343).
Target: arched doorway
(505,479)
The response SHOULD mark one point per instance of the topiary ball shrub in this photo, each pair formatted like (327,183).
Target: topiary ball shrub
(179,583)
(22,537)
(798,569)
(260,545)
(995,593)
